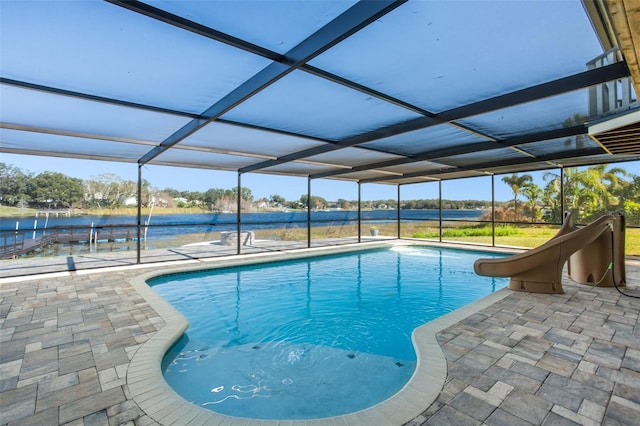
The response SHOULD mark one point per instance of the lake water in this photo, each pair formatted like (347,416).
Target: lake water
(174,224)
(164,229)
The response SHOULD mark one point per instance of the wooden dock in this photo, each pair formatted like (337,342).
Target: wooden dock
(71,234)
(56,213)
(116,234)
(98,234)
(15,246)
(17,243)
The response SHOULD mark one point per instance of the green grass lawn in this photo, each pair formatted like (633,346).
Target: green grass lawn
(528,236)
(533,239)
(15,211)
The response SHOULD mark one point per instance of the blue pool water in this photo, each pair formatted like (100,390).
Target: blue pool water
(315,337)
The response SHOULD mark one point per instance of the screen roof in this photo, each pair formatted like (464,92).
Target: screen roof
(369,91)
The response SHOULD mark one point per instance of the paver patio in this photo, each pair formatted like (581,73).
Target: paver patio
(67,341)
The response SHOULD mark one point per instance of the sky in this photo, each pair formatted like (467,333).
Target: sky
(264,186)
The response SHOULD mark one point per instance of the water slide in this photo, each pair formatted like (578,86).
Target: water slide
(595,253)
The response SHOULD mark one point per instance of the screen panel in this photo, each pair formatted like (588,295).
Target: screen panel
(192,158)
(41,110)
(352,157)
(47,144)
(425,140)
(308,105)
(455,53)
(556,112)
(116,53)
(277,25)
(230,137)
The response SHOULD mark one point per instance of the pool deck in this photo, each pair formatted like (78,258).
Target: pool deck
(84,347)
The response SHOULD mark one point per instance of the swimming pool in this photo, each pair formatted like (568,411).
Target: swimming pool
(311,338)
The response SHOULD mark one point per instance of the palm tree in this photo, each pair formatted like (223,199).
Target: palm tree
(629,198)
(591,191)
(551,197)
(516,183)
(606,184)
(575,195)
(532,193)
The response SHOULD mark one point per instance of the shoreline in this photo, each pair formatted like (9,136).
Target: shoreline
(160,211)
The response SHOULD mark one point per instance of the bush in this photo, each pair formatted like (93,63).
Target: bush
(632,212)
(484,231)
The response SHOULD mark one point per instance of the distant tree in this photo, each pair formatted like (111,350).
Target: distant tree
(277,200)
(161,198)
(104,191)
(195,198)
(316,202)
(170,192)
(57,190)
(294,204)
(516,183)
(410,204)
(245,193)
(15,186)
(501,214)
(225,204)
(344,204)
(430,204)
(211,196)
(220,200)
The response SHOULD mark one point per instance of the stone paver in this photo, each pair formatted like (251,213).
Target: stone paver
(66,344)
(570,359)
(66,359)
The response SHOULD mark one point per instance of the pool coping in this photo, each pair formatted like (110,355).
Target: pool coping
(160,402)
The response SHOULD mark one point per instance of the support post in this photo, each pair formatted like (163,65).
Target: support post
(308,212)
(359,212)
(440,210)
(139,219)
(398,212)
(238,215)
(493,210)
(561,194)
